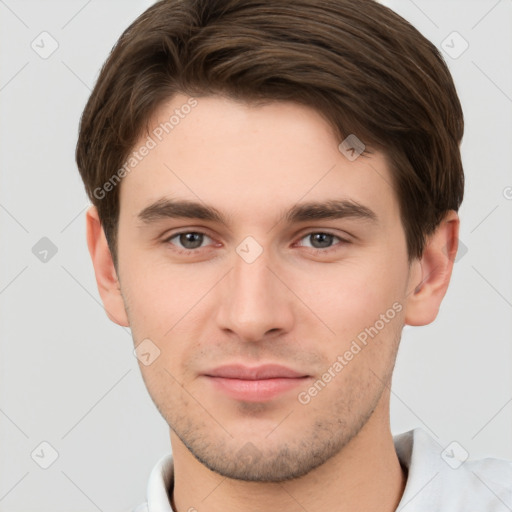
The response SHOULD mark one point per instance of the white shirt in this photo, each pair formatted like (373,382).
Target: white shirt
(439,479)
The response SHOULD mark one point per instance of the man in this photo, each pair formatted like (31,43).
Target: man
(275,190)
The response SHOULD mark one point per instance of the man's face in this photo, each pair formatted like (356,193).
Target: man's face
(263,288)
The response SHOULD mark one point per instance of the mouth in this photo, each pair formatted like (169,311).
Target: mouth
(256,384)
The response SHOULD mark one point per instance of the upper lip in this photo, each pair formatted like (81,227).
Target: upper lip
(266,371)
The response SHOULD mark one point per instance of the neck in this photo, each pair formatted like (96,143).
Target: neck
(365,475)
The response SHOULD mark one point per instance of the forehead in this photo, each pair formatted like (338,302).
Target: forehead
(249,161)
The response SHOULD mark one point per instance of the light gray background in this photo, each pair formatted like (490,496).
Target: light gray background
(68,376)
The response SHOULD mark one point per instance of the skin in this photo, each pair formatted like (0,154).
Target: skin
(290,306)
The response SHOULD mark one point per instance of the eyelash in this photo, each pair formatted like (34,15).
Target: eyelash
(192,252)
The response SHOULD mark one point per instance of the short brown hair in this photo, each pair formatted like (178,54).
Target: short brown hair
(364,68)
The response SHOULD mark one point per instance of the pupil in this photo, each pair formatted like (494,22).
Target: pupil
(187,240)
(323,238)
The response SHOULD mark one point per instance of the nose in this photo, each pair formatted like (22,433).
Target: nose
(255,300)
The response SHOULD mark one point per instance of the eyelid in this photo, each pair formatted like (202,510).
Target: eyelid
(327,231)
(171,233)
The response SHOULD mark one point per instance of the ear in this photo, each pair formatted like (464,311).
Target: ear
(430,275)
(106,276)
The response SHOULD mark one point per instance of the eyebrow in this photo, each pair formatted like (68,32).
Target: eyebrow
(185,209)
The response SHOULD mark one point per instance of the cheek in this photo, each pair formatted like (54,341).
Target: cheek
(166,305)
(161,296)
(351,295)
(163,384)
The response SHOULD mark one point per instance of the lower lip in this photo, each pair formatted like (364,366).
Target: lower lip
(256,390)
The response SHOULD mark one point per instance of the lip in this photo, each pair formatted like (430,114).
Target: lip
(266,371)
(255,384)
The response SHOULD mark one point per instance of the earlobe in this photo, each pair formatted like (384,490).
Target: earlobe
(430,275)
(104,269)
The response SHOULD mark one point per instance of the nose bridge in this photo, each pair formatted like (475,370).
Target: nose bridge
(251,276)
(254,300)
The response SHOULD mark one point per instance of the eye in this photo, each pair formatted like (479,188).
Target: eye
(321,241)
(188,240)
